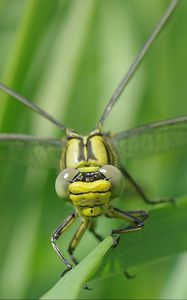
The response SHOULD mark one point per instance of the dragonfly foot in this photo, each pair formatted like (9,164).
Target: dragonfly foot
(116,239)
(66,270)
(129,276)
(86,287)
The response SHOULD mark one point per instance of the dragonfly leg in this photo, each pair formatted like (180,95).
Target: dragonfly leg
(92,229)
(75,240)
(139,213)
(141,192)
(128,275)
(136,218)
(55,236)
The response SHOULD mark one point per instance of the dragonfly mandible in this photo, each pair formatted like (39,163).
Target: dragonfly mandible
(92,167)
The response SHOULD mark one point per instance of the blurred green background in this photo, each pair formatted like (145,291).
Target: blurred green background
(68,56)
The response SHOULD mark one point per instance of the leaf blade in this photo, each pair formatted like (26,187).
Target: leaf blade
(163,236)
(64,289)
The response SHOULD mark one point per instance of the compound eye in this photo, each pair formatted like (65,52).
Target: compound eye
(63,180)
(115,177)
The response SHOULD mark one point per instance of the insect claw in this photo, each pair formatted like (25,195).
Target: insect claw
(86,287)
(129,276)
(66,270)
(116,239)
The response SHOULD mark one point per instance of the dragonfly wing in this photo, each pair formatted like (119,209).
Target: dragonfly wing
(37,152)
(151,138)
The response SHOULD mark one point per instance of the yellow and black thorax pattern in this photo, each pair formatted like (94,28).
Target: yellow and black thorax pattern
(87,151)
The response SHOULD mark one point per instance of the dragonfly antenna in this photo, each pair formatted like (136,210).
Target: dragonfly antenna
(123,83)
(31,105)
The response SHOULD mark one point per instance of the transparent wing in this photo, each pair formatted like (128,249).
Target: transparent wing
(152,138)
(140,56)
(37,152)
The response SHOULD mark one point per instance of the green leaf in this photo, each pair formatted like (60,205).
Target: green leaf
(69,286)
(163,236)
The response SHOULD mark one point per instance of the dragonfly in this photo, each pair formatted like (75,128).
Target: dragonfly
(92,169)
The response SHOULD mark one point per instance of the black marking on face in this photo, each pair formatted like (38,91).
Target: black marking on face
(89,176)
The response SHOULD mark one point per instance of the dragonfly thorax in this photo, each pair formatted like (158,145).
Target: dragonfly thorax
(87,151)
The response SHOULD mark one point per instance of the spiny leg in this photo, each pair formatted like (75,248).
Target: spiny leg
(139,213)
(75,240)
(141,192)
(55,236)
(92,229)
(135,217)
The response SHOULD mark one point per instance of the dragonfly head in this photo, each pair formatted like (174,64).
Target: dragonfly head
(90,189)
